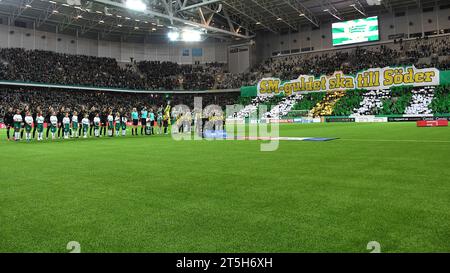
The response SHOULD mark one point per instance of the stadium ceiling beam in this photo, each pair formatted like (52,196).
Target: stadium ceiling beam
(221,11)
(74,25)
(237,20)
(168,7)
(23,5)
(328,6)
(111,27)
(72,17)
(238,7)
(91,24)
(68,20)
(216,11)
(387,5)
(175,19)
(303,11)
(359,7)
(418,3)
(184,6)
(51,9)
(203,19)
(269,10)
(231,25)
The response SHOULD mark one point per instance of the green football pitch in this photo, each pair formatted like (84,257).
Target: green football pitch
(388,183)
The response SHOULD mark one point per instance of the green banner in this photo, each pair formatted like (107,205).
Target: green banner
(445,77)
(249,91)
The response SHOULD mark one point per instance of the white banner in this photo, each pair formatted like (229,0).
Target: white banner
(375,78)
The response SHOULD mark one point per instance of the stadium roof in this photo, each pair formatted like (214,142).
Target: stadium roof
(223,19)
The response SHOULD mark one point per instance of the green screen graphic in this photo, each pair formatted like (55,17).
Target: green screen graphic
(355,31)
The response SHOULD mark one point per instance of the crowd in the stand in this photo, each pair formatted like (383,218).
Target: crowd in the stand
(173,76)
(371,102)
(17,64)
(56,68)
(420,101)
(423,48)
(351,61)
(78,99)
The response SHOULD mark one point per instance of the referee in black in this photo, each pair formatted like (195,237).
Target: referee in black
(60,117)
(91,119)
(23,114)
(80,117)
(9,121)
(104,120)
(47,120)
(34,115)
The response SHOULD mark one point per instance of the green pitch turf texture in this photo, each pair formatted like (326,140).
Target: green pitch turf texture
(388,183)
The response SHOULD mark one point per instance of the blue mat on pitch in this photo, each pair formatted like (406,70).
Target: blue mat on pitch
(320,139)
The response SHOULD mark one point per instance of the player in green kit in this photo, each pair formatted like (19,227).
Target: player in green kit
(17,125)
(97,125)
(28,125)
(53,124)
(85,122)
(123,122)
(118,125)
(148,126)
(75,124)
(40,125)
(110,124)
(66,125)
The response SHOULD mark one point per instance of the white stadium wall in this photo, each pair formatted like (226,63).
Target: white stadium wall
(11,36)
(406,22)
(239,58)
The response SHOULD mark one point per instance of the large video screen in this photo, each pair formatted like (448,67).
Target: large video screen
(355,31)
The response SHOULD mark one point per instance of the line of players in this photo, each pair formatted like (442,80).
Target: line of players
(67,124)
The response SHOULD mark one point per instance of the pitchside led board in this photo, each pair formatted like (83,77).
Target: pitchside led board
(355,31)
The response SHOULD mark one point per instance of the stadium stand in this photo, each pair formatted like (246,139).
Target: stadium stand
(353,60)
(252,107)
(230,80)
(372,102)
(346,105)
(325,107)
(421,99)
(441,101)
(56,68)
(17,64)
(308,102)
(38,66)
(396,105)
(283,107)
(79,99)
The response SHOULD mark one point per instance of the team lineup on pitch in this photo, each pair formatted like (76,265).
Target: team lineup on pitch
(67,124)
